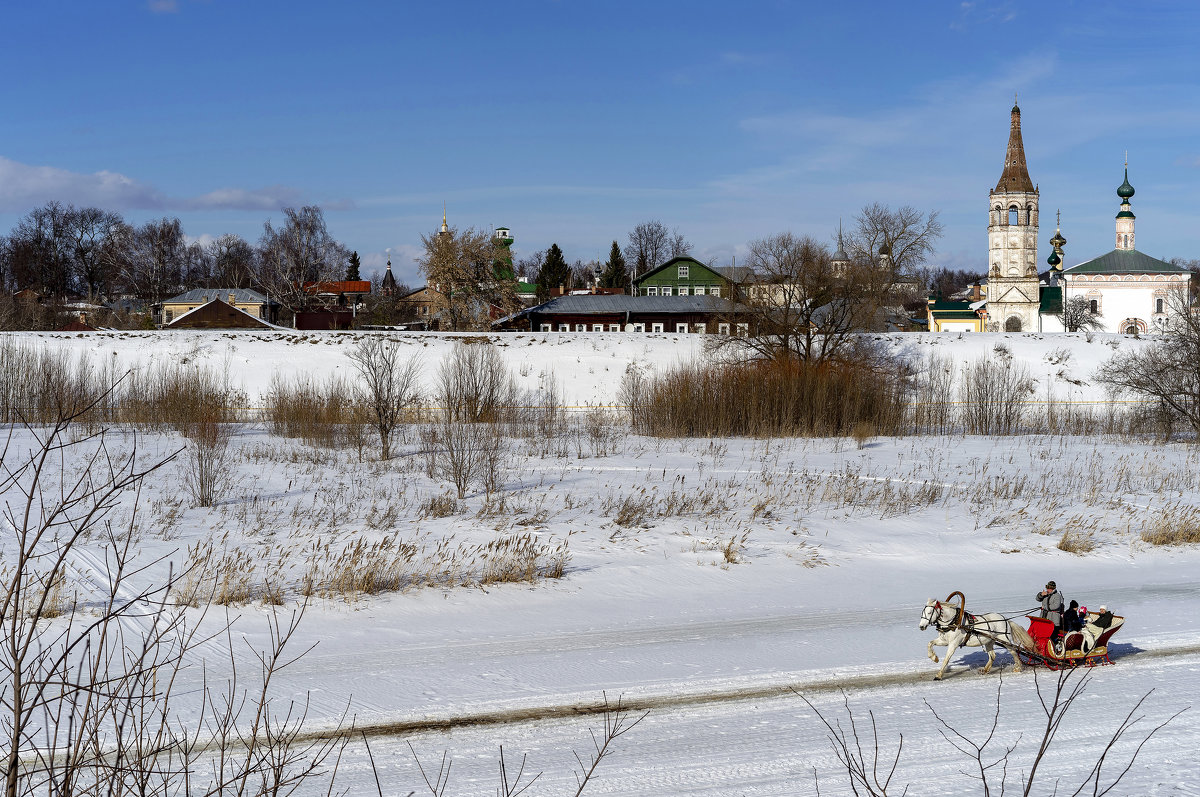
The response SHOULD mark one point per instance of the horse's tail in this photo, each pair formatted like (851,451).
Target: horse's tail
(1021,636)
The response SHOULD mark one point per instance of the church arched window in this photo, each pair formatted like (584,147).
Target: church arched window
(1094,306)
(1158,305)
(1014,215)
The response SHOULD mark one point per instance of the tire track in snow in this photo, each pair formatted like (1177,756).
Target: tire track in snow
(635,704)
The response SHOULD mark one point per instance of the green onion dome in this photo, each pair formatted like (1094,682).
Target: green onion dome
(1126,190)
(1054,259)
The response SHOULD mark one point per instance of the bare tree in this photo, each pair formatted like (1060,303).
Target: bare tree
(389,384)
(908,234)
(1167,370)
(296,255)
(1077,315)
(799,305)
(468,270)
(40,250)
(88,696)
(651,244)
(97,238)
(155,260)
(232,262)
(860,755)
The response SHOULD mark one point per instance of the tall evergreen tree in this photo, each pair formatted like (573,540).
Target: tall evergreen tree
(615,274)
(554,272)
(352,269)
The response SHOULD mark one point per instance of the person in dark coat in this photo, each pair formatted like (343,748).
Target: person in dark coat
(1071,619)
(1052,603)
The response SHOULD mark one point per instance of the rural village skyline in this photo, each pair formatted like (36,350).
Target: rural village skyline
(572,124)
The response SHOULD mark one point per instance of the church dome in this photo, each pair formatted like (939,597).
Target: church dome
(1058,242)
(1054,259)
(1126,190)
(884,250)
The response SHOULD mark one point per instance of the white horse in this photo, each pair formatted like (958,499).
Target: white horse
(958,629)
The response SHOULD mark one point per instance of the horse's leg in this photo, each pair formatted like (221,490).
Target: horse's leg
(990,647)
(935,641)
(952,643)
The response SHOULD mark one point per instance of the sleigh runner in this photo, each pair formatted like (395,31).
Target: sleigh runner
(1040,645)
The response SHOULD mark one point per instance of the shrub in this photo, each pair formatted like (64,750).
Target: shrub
(776,398)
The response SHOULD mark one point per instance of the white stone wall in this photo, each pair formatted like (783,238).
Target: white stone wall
(1127,299)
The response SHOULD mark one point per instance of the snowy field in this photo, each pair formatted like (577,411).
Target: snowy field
(707,581)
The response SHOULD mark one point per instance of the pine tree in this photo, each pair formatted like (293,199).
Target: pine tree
(554,272)
(615,275)
(352,269)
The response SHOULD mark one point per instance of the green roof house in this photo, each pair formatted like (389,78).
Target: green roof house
(683,276)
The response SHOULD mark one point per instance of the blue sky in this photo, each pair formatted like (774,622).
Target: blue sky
(571,122)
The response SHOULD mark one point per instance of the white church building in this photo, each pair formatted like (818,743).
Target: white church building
(1128,291)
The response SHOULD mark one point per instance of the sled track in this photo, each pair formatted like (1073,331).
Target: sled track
(640,704)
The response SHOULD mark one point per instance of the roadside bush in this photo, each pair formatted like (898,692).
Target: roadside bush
(775,398)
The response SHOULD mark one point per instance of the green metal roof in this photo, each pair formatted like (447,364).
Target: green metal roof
(949,305)
(526,288)
(953,314)
(1125,261)
(1051,299)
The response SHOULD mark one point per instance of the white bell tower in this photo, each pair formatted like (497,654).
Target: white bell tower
(1013,293)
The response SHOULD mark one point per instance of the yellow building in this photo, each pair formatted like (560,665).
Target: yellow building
(248,301)
(953,316)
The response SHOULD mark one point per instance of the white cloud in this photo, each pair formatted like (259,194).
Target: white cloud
(23,187)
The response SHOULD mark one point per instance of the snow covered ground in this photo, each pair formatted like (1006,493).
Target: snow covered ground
(750,569)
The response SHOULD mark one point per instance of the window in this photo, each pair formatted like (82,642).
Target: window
(597,327)
(722,329)
(652,291)
(564,327)
(715,290)
(1094,306)
(743,330)
(666,290)
(170,315)
(683,272)
(700,328)
(614,327)
(1158,305)
(656,327)
(639,327)
(1012,216)
(581,327)
(681,329)
(546,328)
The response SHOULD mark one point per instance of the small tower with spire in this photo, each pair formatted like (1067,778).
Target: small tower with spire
(1013,292)
(840,261)
(1057,259)
(1125,217)
(388,286)
(445,230)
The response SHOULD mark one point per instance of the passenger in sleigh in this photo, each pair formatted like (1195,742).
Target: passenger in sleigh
(1095,628)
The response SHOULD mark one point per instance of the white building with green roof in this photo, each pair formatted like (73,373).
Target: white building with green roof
(1131,292)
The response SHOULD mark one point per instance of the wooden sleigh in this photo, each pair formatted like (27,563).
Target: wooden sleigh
(1088,648)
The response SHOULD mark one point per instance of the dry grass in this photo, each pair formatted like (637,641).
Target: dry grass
(1175,525)
(1077,542)
(766,399)
(439,506)
(321,413)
